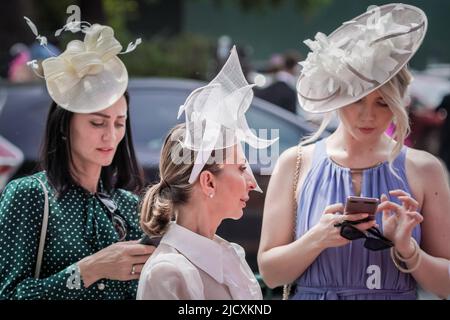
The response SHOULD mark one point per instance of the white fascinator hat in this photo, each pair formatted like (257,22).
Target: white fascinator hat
(215,116)
(88,76)
(360,56)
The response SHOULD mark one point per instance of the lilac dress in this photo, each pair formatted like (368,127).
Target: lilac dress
(350,272)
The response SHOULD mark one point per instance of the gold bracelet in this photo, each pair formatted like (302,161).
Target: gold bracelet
(413,256)
(413,268)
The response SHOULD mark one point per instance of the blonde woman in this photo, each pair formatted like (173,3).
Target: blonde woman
(360,72)
(205,178)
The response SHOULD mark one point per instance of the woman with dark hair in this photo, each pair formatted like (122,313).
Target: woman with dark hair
(124,171)
(70,231)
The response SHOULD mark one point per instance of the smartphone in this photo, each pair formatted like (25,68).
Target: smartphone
(150,241)
(362,205)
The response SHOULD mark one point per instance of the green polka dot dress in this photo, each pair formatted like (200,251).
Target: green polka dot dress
(78,226)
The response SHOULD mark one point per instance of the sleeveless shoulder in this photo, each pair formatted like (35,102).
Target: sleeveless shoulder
(288,158)
(421,160)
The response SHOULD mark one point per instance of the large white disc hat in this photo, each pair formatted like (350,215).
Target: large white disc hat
(360,56)
(215,116)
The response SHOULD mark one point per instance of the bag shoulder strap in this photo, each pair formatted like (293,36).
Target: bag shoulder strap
(43,232)
(298,165)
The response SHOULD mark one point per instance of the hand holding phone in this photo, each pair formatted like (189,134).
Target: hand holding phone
(362,205)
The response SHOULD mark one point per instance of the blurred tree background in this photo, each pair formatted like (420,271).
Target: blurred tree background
(180,37)
(168,49)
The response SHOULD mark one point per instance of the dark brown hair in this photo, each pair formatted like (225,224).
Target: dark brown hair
(124,171)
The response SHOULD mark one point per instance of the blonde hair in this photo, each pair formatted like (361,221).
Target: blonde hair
(159,204)
(394,93)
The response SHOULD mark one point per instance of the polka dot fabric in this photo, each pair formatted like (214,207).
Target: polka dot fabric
(78,226)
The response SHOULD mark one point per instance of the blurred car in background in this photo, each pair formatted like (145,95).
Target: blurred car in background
(429,89)
(11,159)
(153,111)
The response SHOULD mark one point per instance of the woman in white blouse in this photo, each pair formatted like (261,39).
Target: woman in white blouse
(205,178)
(191,261)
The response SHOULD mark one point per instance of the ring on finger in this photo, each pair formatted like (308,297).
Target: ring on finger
(133,270)
(341,221)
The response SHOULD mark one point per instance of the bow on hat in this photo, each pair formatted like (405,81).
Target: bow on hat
(81,58)
(88,76)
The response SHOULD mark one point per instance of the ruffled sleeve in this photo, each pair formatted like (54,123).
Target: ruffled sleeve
(21,210)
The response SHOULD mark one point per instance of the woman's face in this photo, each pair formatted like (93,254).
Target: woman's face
(233,185)
(367,118)
(94,137)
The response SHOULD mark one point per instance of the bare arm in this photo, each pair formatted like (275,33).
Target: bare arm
(280,260)
(432,274)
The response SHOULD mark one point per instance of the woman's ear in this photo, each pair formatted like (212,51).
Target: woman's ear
(207,183)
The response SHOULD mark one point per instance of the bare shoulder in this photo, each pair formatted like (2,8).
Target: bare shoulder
(288,158)
(425,174)
(424,163)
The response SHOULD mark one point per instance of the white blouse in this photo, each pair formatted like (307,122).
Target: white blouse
(188,266)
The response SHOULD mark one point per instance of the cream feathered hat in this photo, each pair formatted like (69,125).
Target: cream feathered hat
(215,116)
(360,56)
(88,76)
